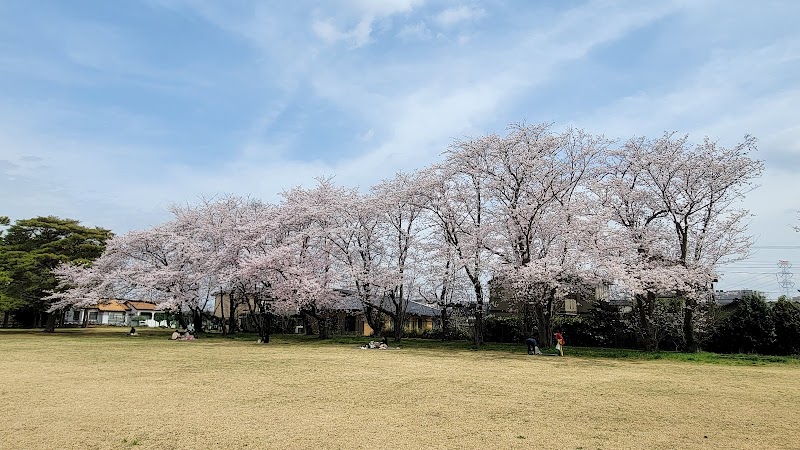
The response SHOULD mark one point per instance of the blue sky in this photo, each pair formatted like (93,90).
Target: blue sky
(111,111)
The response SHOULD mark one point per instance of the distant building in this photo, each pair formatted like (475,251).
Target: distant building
(110,311)
(728,297)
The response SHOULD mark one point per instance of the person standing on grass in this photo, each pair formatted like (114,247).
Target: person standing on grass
(559,343)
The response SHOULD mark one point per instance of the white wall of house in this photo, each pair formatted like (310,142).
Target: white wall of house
(72,316)
(114,318)
(149,322)
(75,317)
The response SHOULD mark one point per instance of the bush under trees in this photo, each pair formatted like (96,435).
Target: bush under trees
(786,315)
(749,327)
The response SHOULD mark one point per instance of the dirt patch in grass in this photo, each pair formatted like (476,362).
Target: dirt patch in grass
(105,390)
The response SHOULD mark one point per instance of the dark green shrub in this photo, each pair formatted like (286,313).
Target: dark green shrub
(749,328)
(503,329)
(787,327)
(608,327)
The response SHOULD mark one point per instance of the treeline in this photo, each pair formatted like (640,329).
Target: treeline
(748,325)
(544,212)
(29,251)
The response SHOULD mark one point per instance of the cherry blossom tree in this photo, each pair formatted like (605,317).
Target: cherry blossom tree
(700,186)
(639,238)
(536,180)
(399,224)
(442,283)
(455,196)
(308,276)
(375,239)
(354,235)
(222,230)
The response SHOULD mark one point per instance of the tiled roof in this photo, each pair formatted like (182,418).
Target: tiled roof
(419,309)
(142,306)
(112,305)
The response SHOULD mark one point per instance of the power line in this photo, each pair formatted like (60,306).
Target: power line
(776,247)
(752,273)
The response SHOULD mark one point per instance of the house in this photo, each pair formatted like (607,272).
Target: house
(112,312)
(105,312)
(420,318)
(143,309)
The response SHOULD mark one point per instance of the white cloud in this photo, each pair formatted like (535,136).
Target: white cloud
(357,36)
(366,136)
(458,14)
(364,14)
(415,32)
(384,8)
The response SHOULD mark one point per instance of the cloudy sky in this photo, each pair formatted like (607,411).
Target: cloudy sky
(111,111)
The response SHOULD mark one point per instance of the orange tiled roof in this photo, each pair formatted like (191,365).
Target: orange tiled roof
(111,305)
(142,306)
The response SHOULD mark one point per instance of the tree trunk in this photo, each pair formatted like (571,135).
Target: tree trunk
(307,328)
(690,346)
(51,323)
(528,319)
(264,327)
(478,331)
(197,320)
(645,307)
(37,320)
(324,325)
(231,314)
(263,334)
(543,325)
(445,324)
(6,316)
(397,323)
(374,318)
(85,322)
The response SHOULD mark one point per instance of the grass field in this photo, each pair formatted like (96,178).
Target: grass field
(100,389)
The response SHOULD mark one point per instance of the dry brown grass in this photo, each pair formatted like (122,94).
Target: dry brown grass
(108,391)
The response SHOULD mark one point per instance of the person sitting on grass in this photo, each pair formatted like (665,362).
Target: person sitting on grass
(133,332)
(376,345)
(175,336)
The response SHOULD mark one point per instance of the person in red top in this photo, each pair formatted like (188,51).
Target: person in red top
(559,343)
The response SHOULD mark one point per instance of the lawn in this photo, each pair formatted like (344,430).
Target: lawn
(100,389)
